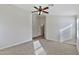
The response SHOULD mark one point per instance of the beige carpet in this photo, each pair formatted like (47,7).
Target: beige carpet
(22,49)
(45,47)
(56,48)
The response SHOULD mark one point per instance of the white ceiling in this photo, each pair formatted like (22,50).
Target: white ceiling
(65,9)
(57,9)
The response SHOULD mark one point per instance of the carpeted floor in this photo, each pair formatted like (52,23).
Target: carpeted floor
(56,48)
(22,49)
(45,47)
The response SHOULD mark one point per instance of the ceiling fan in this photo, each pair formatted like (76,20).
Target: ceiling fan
(40,10)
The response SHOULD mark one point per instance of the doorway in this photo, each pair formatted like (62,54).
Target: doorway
(38,26)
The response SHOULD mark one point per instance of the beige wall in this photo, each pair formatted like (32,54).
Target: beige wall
(55,23)
(15,26)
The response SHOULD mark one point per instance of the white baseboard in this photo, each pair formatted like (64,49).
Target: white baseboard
(36,36)
(52,39)
(15,44)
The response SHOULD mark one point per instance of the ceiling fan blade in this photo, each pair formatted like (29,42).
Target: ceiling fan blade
(45,11)
(45,8)
(34,11)
(35,7)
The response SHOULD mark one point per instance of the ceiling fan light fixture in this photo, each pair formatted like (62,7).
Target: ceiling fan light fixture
(41,10)
(38,13)
(41,13)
